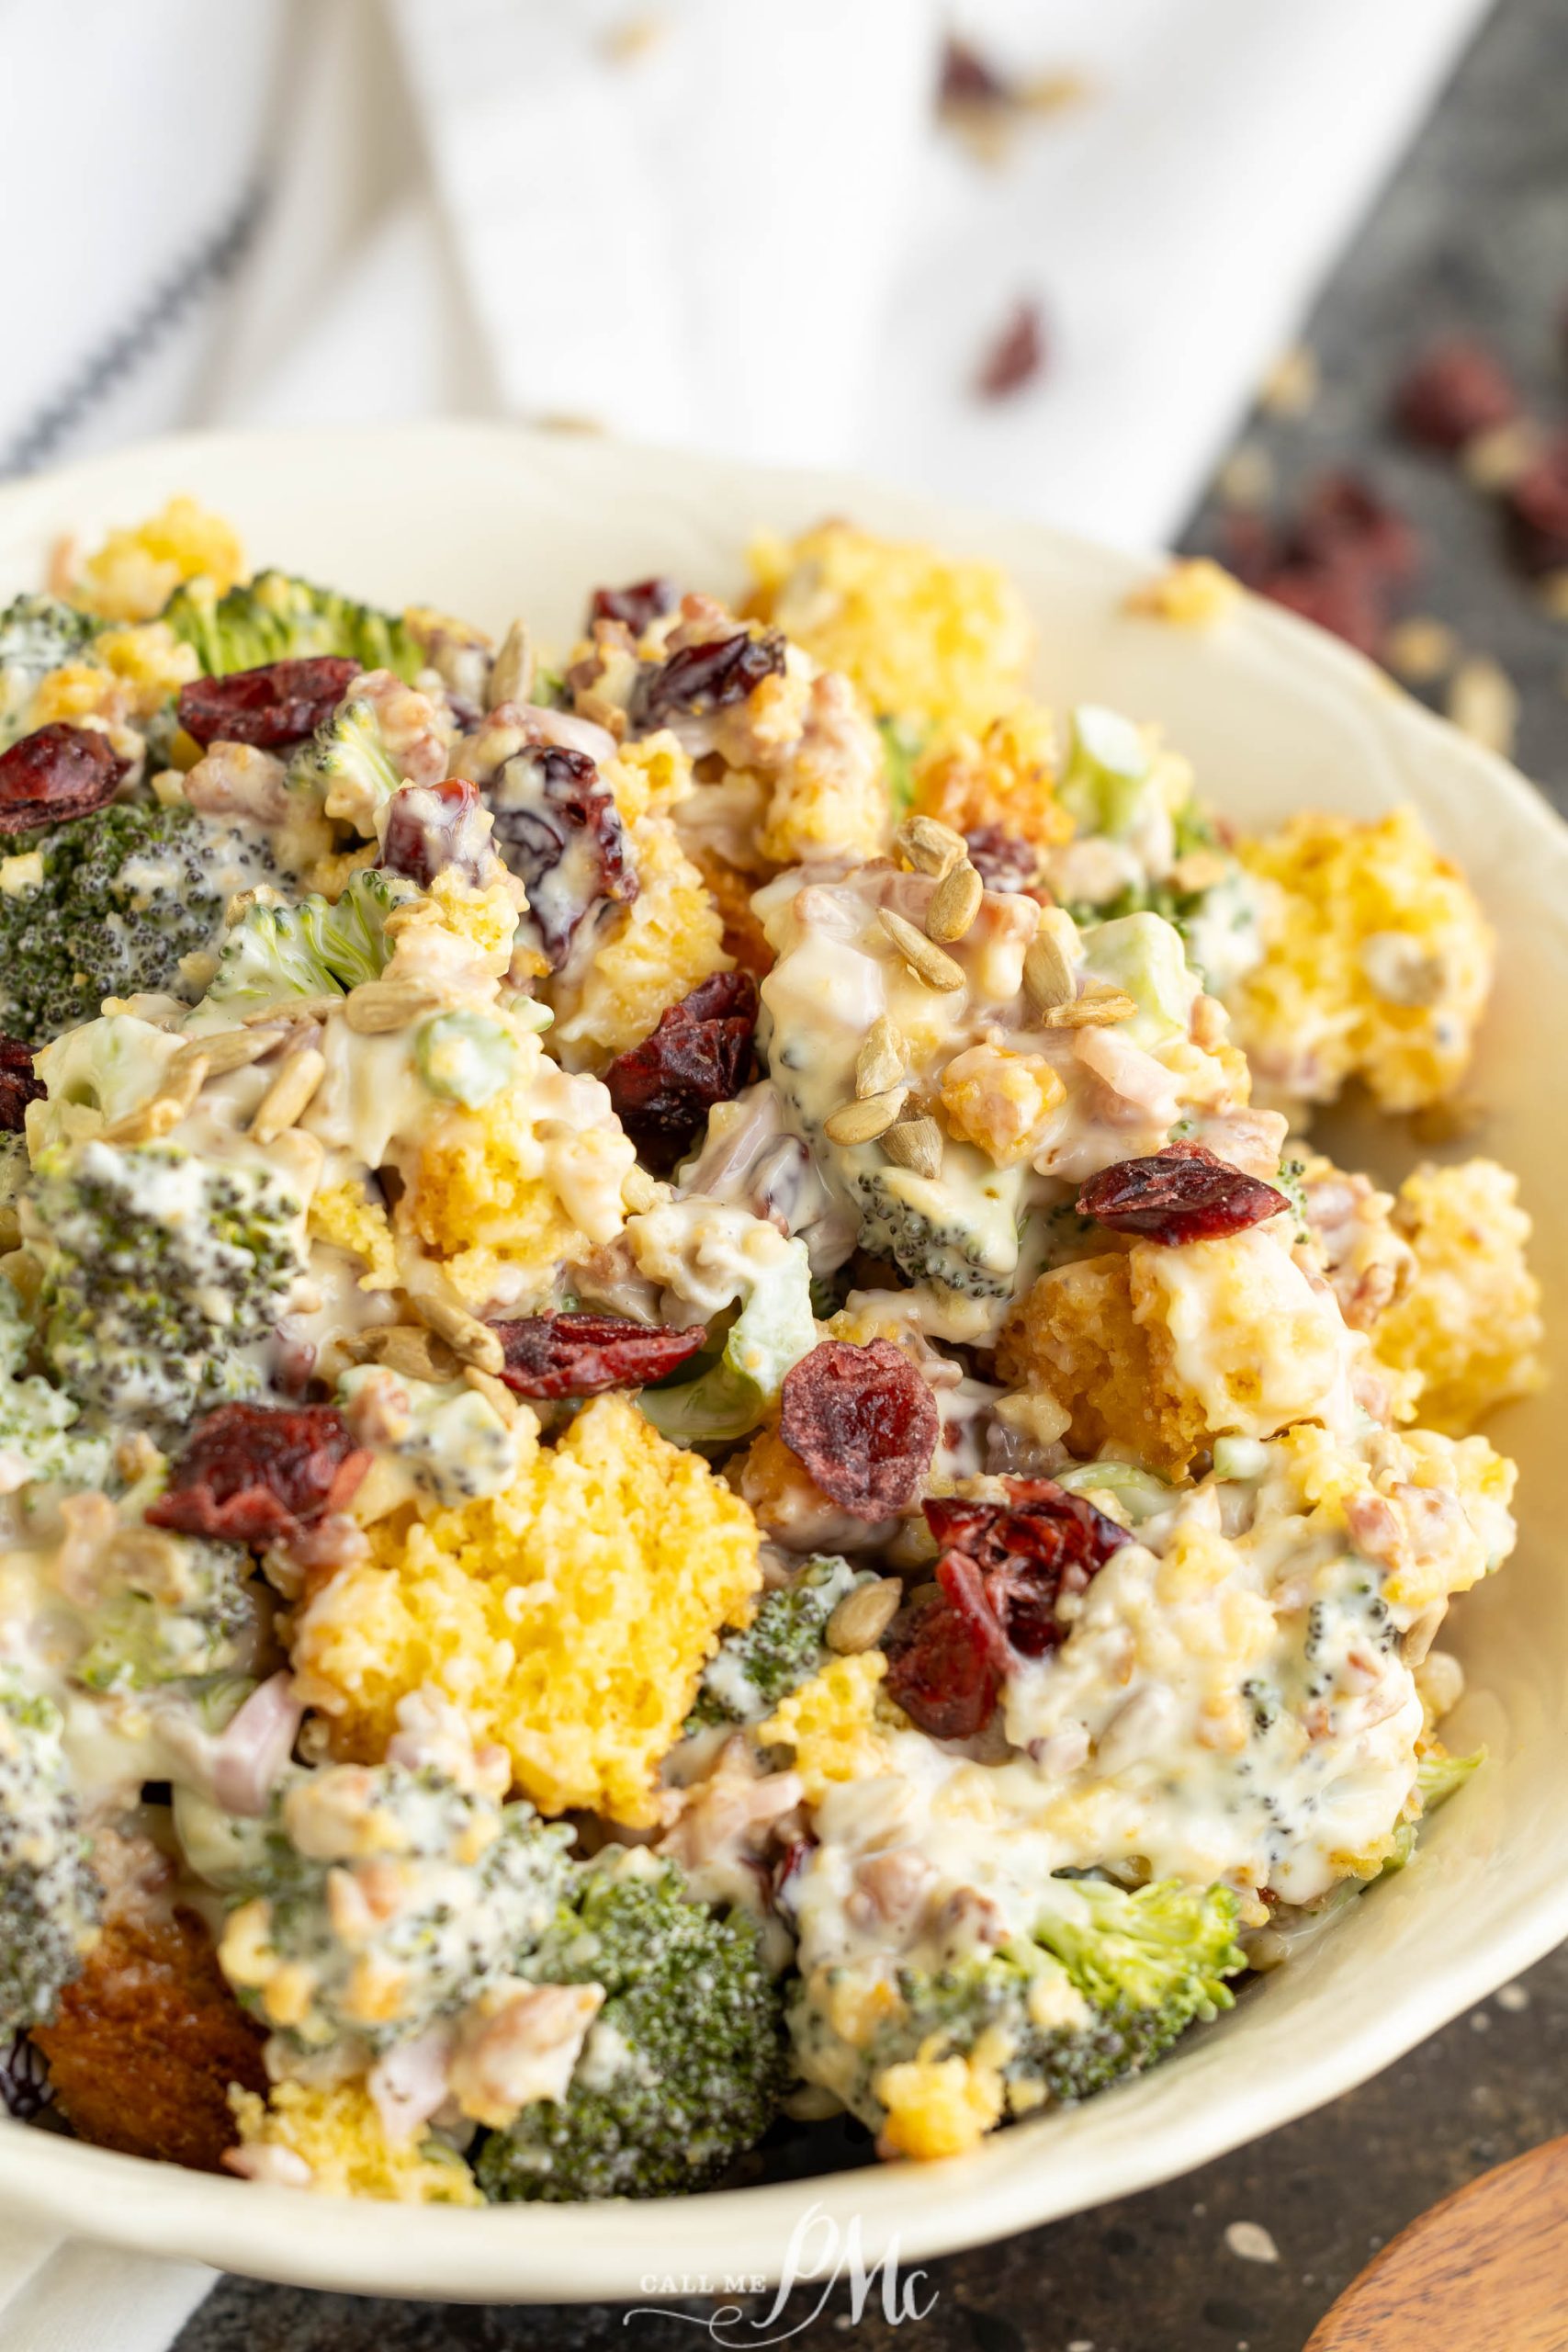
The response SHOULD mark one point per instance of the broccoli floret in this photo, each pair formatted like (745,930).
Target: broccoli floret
(49,1898)
(274,618)
(347,765)
(160,1271)
(683,2065)
(37,635)
(728,1393)
(1438,1778)
(182,1610)
(477,1885)
(1148,1960)
(964,1235)
(779,1650)
(313,948)
(38,1436)
(110,907)
(1110,1979)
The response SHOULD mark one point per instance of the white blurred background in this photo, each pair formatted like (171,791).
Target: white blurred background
(1037,253)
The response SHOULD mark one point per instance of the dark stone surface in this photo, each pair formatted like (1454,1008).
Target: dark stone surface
(1473,232)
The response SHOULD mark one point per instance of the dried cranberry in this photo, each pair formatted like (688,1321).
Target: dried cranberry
(943,1668)
(1456,390)
(862,1421)
(1537,512)
(701,1053)
(557,827)
(54,773)
(1003,1572)
(436,828)
(1182,1193)
(1343,519)
(1336,562)
(18,1086)
(280,703)
(702,678)
(1027,1553)
(644,602)
(1003,861)
(260,1474)
(969,79)
(581,1355)
(1016,357)
(1342,601)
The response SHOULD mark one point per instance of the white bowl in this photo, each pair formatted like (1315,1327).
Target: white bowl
(489,522)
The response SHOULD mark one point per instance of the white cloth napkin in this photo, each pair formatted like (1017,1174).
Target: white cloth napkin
(750,236)
(744,235)
(62,2296)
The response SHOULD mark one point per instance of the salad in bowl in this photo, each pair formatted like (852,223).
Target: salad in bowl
(690,1440)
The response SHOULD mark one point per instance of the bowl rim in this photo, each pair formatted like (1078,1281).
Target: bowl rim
(593,2252)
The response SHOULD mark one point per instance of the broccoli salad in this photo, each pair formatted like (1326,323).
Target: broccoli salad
(689,1440)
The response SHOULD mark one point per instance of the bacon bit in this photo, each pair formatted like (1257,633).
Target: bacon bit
(1182,1193)
(19,1087)
(581,1355)
(280,703)
(700,1054)
(638,606)
(260,1474)
(1016,357)
(54,773)
(1456,390)
(862,1421)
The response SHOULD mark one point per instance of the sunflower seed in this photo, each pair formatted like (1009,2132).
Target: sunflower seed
(294,1008)
(924,957)
(930,847)
(863,1122)
(1048,976)
(882,1059)
(407,1348)
(915,1144)
(289,1095)
(863,1616)
(225,1050)
(377,1006)
(956,903)
(471,1340)
(1098,1007)
(511,671)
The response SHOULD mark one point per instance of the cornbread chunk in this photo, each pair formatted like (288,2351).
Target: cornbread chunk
(331,2138)
(945,639)
(1075,1339)
(831,1722)
(136,570)
(1469,1325)
(1006,777)
(1160,1350)
(1377,966)
(568,1618)
(670,938)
